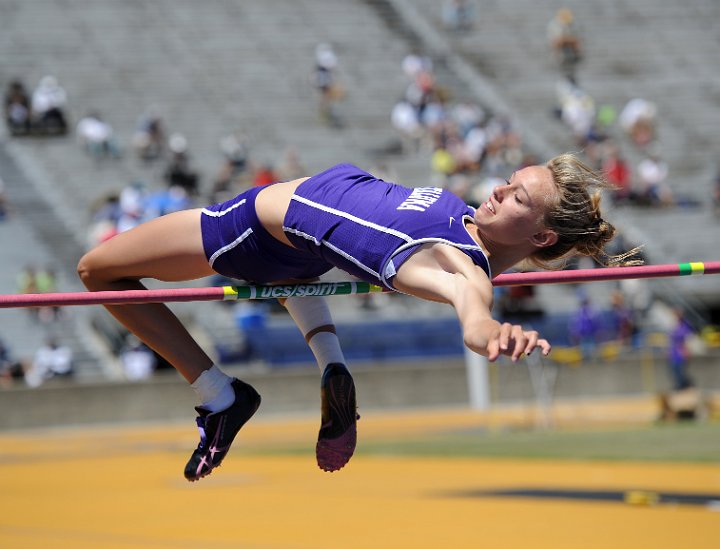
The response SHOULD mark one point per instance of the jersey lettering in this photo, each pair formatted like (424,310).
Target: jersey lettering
(421,199)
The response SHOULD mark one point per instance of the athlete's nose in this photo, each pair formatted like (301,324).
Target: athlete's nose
(499,192)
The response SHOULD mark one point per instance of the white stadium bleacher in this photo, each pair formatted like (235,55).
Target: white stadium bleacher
(216,67)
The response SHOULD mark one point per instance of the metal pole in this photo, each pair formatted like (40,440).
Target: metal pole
(478,380)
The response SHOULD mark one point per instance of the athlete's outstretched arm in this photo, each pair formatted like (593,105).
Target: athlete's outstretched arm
(442,273)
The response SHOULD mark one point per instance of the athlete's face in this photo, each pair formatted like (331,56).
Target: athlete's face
(514,212)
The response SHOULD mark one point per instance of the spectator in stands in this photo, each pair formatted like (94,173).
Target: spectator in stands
(435,116)
(458,15)
(138,360)
(46,283)
(652,173)
(565,41)
(504,146)
(104,220)
(234,170)
(3,201)
(467,115)
(419,93)
(518,303)
(584,328)
(404,118)
(639,297)
(10,368)
(606,118)
(48,105)
(179,172)
(228,181)
(165,201)
(26,282)
(17,108)
(36,281)
(443,166)
(415,63)
(235,147)
(623,323)
(463,138)
(474,147)
(149,138)
(51,360)
(265,175)
(132,206)
(618,174)
(327,85)
(638,120)
(678,353)
(381,232)
(576,110)
(97,136)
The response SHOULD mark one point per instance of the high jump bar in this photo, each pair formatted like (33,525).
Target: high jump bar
(236,293)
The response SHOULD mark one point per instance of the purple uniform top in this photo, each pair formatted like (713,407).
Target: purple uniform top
(369,227)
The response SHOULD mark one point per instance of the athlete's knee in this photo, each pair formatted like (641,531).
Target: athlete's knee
(84,269)
(89,271)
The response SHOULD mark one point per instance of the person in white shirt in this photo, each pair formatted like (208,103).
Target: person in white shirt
(51,360)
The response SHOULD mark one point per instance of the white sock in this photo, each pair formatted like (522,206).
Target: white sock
(325,346)
(311,313)
(214,389)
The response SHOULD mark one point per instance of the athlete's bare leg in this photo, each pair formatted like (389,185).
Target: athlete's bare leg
(169,249)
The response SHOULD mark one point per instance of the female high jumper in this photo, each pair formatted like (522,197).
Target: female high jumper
(425,242)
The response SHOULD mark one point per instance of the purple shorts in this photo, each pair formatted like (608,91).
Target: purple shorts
(238,246)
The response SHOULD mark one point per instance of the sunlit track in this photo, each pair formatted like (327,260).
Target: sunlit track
(122,486)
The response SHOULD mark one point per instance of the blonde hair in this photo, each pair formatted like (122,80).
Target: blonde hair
(576,218)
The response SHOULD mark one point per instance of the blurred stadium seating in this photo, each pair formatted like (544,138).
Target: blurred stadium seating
(216,67)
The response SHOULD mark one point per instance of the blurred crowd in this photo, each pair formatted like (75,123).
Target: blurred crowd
(53,359)
(40,112)
(611,134)
(469,149)
(44,113)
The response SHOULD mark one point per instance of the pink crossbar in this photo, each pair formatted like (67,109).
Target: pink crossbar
(220,293)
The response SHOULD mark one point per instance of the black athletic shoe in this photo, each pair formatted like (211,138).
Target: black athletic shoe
(338,431)
(218,429)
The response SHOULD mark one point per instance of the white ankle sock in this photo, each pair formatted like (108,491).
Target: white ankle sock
(311,313)
(325,346)
(214,389)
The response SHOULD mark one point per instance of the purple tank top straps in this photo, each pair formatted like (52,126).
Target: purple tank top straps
(369,227)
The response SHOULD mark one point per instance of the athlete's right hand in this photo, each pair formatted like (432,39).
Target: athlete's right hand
(506,339)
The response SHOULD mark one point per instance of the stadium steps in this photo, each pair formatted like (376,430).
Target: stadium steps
(663,51)
(217,68)
(33,235)
(210,72)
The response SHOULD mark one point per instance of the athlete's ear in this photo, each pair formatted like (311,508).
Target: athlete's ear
(544,238)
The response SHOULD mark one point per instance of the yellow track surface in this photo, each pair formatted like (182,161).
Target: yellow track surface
(122,487)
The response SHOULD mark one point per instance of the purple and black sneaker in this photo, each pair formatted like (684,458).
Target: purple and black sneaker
(218,429)
(338,432)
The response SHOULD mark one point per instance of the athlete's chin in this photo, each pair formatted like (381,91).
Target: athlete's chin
(485,222)
(480,218)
